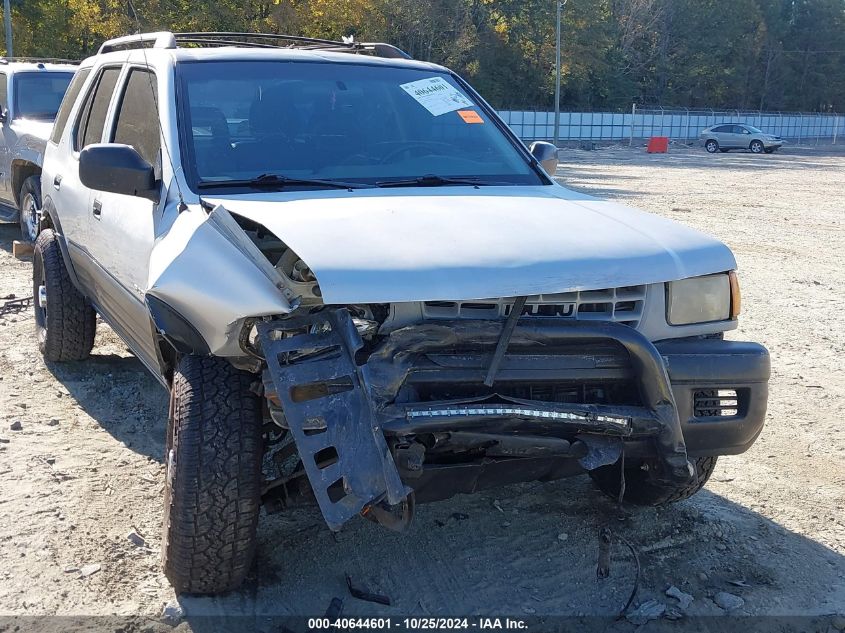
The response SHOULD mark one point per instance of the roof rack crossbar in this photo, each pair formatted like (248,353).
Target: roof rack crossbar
(166,39)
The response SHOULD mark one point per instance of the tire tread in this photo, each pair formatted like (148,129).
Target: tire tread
(71,320)
(642,489)
(214,490)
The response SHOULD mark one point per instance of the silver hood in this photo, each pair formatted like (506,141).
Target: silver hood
(35,128)
(461,243)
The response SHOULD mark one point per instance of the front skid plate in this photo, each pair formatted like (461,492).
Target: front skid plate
(323,390)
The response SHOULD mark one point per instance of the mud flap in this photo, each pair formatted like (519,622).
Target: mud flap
(326,401)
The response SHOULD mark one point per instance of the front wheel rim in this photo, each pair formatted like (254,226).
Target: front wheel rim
(40,297)
(29,217)
(756,147)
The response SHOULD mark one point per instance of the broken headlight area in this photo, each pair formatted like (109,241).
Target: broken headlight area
(298,277)
(375,418)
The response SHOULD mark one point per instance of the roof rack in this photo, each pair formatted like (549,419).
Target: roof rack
(166,39)
(38,60)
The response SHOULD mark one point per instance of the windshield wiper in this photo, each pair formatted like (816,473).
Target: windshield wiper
(279,181)
(432,180)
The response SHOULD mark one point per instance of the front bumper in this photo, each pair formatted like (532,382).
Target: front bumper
(371,410)
(699,366)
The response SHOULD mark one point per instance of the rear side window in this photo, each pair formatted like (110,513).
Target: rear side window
(93,117)
(67,103)
(137,117)
(723,129)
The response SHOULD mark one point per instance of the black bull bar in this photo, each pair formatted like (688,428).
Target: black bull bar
(336,407)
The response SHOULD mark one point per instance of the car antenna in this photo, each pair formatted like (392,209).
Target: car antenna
(182,205)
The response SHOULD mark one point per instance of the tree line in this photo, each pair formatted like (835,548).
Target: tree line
(745,54)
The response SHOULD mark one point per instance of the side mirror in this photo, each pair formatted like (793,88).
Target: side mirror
(546,155)
(117,168)
(4,114)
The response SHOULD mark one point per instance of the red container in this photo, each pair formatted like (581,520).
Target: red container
(658,145)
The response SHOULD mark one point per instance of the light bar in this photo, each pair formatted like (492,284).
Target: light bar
(494,410)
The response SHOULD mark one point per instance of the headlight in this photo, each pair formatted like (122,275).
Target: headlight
(702,299)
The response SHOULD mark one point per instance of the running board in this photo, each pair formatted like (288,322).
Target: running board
(327,405)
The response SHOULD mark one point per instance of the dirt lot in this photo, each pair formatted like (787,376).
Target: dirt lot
(85,469)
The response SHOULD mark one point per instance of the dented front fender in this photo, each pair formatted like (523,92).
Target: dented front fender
(208,271)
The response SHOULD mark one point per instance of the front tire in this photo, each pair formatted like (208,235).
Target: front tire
(642,488)
(213,488)
(30,203)
(712,146)
(756,147)
(65,322)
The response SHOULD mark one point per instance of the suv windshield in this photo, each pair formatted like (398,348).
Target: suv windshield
(355,123)
(38,95)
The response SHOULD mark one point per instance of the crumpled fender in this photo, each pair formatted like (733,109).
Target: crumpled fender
(209,272)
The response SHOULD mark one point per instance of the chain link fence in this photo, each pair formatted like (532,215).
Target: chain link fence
(680,125)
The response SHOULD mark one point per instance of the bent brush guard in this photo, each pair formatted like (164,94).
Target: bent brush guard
(326,401)
(330,402)
(389,365)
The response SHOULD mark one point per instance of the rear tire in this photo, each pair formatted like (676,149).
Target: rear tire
(757,147)
(65,322)
(213,489)
(712,146)
(30,203)
(641,487)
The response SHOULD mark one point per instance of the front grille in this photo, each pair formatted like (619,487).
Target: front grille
(618,305)
(716,403)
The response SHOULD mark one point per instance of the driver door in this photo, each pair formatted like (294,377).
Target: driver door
(122,227)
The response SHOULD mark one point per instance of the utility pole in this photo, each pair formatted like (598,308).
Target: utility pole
(560,4)
(7,20)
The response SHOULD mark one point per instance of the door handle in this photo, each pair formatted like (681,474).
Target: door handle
(57,182)
(97,209)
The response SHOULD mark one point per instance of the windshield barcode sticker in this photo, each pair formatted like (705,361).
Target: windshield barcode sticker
(436,95)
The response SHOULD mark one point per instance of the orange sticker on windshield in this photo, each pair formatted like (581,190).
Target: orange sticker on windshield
(470,116)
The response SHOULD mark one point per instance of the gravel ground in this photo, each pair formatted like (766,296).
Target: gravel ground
(85,468)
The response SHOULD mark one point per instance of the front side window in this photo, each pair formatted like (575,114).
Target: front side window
(89,128)
(137,117)
(338,121)
(39,94)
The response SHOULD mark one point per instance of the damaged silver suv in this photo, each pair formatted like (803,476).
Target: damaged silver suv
(363,291)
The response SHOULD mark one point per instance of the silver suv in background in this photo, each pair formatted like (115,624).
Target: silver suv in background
(728,136)
(31,91)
